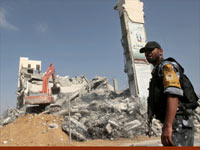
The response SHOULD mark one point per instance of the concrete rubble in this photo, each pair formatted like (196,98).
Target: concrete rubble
(91,109)
(10,115)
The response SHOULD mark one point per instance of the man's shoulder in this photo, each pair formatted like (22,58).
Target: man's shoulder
(172,63)
(169,60)
(168,63)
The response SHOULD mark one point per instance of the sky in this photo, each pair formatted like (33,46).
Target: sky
(82,37)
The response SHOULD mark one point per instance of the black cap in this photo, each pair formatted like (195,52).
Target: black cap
(150,46)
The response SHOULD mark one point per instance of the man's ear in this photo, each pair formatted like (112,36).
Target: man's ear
(161,52)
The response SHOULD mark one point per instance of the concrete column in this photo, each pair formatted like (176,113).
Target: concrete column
(133,38)
(115,85)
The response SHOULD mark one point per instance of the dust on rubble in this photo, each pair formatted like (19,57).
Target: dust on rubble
(45,130)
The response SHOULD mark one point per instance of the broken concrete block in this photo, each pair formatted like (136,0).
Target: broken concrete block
(131,125)
(53,125)
(78,115)
(78,124)
(6,121)
(75,135)
(4,142)
(43,131)
(109,128)
(75,117)
(121,106)
(157,124)
(84,112)
(76,128)
(197,117)
(83,120)
(113,123)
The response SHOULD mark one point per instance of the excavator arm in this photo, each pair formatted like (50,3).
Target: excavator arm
(50,72)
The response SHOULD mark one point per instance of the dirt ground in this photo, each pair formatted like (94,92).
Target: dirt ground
(34,130)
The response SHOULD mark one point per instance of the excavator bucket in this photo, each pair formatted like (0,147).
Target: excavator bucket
(55,89)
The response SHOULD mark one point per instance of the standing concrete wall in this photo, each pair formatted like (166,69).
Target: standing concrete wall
(133,38)
(24,62)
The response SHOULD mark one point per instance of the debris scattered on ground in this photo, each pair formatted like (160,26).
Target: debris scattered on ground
(90,110)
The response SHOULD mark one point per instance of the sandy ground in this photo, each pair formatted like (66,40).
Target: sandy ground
(34,130)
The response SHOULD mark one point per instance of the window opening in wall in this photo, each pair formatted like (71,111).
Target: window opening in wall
(30,70)
(37,69)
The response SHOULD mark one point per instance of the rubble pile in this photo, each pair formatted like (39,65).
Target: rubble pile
(10,115)
(95,111)
(92,109)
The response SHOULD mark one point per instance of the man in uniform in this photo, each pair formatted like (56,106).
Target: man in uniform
(165,95)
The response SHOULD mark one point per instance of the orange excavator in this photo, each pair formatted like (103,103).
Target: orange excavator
(44,98)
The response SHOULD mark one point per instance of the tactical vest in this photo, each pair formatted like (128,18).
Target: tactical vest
(157,98)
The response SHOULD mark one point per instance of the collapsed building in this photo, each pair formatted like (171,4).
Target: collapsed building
(91,109)
(96,110)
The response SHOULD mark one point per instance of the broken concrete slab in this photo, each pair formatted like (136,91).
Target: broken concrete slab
(75,128)
(131,125)
(113,123)
(74,134)
(6,121)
